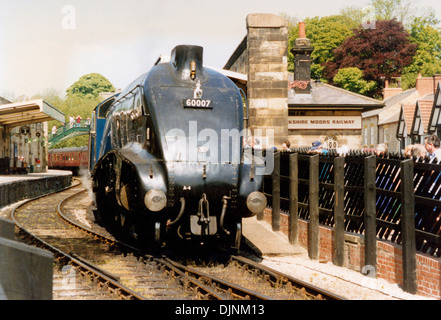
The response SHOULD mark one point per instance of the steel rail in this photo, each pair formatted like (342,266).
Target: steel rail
(201,290)
(200,283)
(87,230)
(192,278)
(230,289)
(106,281)
(187,280)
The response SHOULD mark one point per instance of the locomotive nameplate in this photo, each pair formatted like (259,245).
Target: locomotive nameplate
(198,103)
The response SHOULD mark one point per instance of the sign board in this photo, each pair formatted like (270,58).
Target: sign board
(325,122)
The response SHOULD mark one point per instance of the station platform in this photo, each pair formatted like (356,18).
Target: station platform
(277,253)
(264,240)
(7,178)
(17,187)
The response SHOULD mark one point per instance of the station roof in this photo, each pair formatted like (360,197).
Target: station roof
(33,111)
(326,96)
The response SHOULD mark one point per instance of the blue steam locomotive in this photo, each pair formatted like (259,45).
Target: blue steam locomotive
(166,156)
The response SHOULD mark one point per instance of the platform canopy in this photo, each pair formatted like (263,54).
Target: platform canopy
(33,111)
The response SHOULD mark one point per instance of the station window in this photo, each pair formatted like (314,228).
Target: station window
(386,134)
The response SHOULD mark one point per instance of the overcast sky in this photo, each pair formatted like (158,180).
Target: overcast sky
(49,44)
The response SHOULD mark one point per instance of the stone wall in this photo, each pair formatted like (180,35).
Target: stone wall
(263,56)
(16,191)
(267,46)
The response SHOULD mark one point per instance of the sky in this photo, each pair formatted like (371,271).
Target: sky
(49,44)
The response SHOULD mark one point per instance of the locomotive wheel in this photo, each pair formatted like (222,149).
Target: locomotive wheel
(105,204)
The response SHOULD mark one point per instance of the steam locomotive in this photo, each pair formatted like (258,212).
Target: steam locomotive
(166,156)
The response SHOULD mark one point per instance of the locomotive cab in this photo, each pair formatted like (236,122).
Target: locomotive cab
(170,163)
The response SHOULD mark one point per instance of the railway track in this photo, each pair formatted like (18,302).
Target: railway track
(92,264)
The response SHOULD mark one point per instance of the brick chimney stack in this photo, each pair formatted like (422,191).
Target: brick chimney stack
(427,85)
(389,91)
(302,32)
(302,62)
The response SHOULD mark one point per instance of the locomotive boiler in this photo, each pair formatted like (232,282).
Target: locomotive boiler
(171,164)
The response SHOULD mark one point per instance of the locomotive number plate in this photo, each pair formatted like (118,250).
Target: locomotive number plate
(198,103)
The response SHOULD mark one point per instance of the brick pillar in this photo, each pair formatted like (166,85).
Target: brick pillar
(267,87)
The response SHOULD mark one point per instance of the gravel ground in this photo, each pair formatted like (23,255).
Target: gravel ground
(341,281)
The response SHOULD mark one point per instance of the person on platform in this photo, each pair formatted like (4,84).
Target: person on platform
(432,144)
(418,151)
(381,149)
(408,151)
(78,119)
(317,147)
(286,146)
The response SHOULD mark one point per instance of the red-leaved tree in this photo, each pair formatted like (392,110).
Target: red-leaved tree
(381,52)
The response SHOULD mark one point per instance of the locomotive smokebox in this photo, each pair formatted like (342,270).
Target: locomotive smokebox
(187,61)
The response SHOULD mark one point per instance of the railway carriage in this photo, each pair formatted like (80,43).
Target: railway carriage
(73,159)
(170,164)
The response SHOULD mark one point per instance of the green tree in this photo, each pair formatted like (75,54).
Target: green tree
(326,34)
(393,9)
(90,85)
(352,79)
(81,98)
(427,59)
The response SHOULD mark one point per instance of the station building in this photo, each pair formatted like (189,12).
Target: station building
(24,134)
(297,108)
(294,106)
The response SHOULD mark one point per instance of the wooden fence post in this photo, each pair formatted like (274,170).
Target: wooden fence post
(293,222)
(313,229)
(275,217)
(339,214)
(408,226)
(370,219)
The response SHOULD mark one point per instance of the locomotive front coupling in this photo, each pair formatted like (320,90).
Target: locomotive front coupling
(202,223)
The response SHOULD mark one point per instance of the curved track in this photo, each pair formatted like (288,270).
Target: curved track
(103,260)
(129,273)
